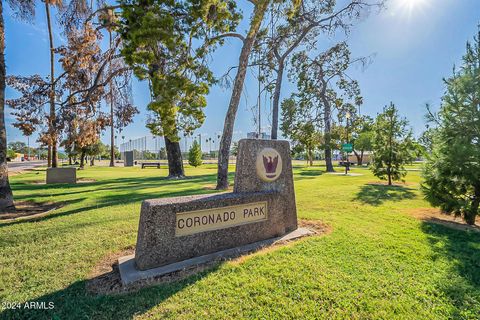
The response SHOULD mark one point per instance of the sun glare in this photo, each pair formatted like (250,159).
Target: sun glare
(411,5)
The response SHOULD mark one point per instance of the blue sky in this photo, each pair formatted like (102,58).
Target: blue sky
(414,42)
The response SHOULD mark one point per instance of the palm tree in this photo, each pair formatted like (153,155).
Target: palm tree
(108,20)
(24,9)
(52,132)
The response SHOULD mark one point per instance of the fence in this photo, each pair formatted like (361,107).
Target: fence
(153,147)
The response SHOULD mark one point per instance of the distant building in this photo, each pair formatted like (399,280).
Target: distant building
(18,157)
(254,135)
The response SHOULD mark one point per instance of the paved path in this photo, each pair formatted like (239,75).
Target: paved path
(25,165)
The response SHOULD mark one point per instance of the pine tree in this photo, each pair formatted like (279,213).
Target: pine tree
(195,155)
(452,171)
(393,146)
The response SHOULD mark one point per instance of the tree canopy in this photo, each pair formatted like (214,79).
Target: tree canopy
(393,145)
(195,155)
(166,43)
(452,171)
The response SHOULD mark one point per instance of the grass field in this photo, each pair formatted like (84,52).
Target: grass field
(377,263)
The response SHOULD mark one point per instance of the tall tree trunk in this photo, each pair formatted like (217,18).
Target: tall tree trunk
(327,119)
(359,158)
(82,159)
(92,161)
(112,127)
(175,161)
(49,155)
(328,140)
(310,157)
(390,146)
(224,152)
(6,195)
(52,117)
(471,214)
(276,100)
(112,133)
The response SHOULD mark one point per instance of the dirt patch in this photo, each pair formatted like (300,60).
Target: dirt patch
(29,209)
(435,215)
(317,226)
(104,278)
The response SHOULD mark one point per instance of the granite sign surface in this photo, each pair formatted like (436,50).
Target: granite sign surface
(61,175)
(192,222)
(261,206)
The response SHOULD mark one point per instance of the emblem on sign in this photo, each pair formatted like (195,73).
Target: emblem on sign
(269,164)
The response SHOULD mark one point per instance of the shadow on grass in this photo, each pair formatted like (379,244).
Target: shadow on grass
(375,194)
(461,249)
(110,184)
(310,173)
(120,191)
(75,302)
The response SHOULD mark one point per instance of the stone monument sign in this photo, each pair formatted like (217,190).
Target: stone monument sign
(61,175)
(261,206)
(127,158)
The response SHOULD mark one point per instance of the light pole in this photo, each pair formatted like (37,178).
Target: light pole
(28,148)
(347,166)
(185,137)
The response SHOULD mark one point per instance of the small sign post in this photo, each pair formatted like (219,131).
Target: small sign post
(347,148)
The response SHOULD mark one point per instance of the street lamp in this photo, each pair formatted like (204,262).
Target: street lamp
(28,147)
(347,166)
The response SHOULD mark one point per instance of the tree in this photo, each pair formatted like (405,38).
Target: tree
(88,138)
(166,43)
(95,150)
(18,146)
(106,152)
(426,140)
(284,34)
(452,171)
(195,155)
(362,136)
(393,145)
(87,72)
(11,154)
(79,90)
(122,110)
(323,86)
(52,132)
(259,10)
(24,9)
(301,127)
(162,153)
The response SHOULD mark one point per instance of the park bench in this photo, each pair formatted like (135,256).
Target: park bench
(344,163)
(151,164)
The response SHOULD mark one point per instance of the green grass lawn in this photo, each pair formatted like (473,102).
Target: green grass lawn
(377,263)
